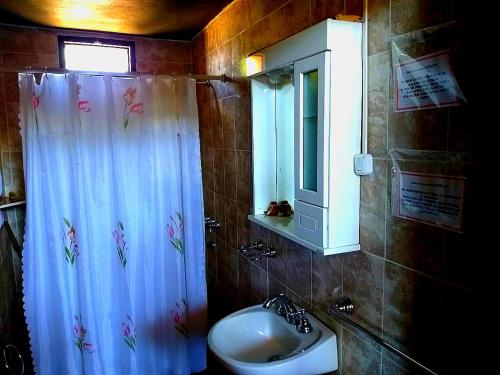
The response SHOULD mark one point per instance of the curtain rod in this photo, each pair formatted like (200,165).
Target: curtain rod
(205,79)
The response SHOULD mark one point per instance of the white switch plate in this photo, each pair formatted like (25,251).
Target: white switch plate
(363,164)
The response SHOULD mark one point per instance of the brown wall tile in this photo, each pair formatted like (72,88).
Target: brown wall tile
(219,171)
(408,322)
(216,122)
(238,17)
(230,174)
(277,266)
(16,39)
(11,87)
(276,287)
(46,42)
(326,281)
(48,61)
(354,7)
(259,284)
(211,256)
(415,245)
(410,15)
(227,268)
(242,123)
(267,31)
(363,276)
(19,60)
(220,215)
(323,9)
(419,130)
(259,9)
(2,90)
(231,225)
(391,365)
(244,281)
(298,269)
(177,52)
(373,208)
(244,177)
(358,357)
(378,95)
(4,140)
(243,224)
(208,199)
(378,26)
(297,16)
(228,130)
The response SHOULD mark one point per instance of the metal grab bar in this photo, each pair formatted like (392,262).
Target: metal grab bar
(345,306)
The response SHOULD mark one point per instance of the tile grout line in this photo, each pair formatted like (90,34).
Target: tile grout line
(282,7)
(434,278)
(387,177)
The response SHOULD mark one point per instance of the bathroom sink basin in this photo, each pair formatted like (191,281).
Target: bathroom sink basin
(256,340)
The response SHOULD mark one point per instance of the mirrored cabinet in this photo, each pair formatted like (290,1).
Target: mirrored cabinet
(306,120)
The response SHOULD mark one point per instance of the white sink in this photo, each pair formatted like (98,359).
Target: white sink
(256,340)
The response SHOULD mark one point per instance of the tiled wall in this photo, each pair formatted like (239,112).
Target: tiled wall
(410,279)
(21,47)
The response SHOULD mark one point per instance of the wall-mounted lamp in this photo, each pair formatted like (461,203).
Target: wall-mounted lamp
(254,64)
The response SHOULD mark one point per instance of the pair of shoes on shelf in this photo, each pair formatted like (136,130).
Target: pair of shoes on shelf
(282,208)
(285,209)
(272,210)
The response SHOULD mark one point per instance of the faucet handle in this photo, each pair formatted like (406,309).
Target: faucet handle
(302,324)
(299,314)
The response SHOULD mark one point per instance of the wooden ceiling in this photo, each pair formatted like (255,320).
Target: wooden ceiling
(175,19)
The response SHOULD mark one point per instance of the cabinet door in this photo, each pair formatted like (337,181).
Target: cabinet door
(312,127)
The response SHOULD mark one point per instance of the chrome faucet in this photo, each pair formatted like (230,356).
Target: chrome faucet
(286,309)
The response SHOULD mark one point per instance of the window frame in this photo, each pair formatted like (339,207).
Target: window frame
(63,39)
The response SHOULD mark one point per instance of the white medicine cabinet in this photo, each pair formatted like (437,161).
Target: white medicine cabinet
(306,121)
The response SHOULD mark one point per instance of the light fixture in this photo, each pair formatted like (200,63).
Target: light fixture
(254,64)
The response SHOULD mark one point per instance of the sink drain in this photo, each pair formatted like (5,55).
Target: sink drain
(276,357)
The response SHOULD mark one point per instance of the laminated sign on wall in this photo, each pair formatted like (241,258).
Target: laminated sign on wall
(430,198)
(425,82)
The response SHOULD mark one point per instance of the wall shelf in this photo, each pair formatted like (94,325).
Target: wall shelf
(6,202)
(284,226)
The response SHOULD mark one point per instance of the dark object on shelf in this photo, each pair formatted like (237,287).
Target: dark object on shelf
(285,209)
(272,210)
(282,208)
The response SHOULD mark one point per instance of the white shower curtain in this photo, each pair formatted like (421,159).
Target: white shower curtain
(114,267)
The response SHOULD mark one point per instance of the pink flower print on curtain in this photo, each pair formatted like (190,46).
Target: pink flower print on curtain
(120,243)
(128,333)
(84,105)
(36,100)
(36,103)
(70,242)
(131,107)
(179,317)
(175,232)
(79,335)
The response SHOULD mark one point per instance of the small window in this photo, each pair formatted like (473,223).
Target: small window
(94,54)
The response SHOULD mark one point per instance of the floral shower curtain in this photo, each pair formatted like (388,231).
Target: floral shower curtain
(113,262)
